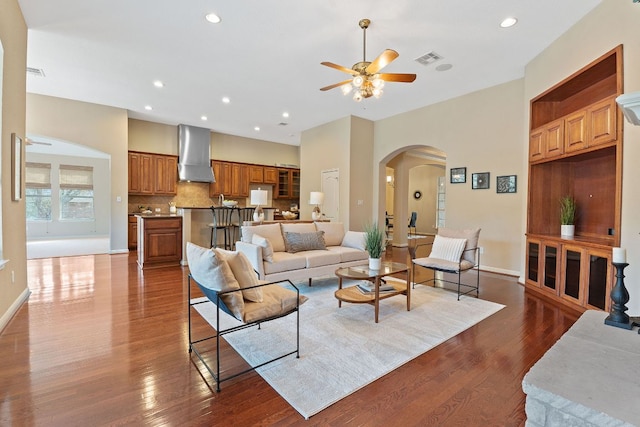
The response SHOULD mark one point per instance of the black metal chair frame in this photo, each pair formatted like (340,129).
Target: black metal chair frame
(469,288)
(412,222)
(222,220)
(215,298)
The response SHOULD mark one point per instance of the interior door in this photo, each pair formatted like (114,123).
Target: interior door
(330,186)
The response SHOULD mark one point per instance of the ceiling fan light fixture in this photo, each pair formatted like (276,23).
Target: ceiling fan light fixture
(377,92)
(358,80)
(346,89)
(378,83)
(357,96)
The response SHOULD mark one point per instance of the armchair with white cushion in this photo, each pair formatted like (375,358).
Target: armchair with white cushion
(454,252)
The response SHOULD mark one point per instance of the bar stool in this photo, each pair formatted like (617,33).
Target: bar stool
(221,221)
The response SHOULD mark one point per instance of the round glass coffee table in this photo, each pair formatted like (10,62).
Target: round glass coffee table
(354,295)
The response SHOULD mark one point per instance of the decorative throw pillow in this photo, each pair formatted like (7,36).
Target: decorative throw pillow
(213,272)
(243,272)
(447,248)
(298,242)
(471,234)
(333,232)
(267,249)
(271,232)
(354,239)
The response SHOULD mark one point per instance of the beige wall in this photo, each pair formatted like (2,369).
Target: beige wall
(482,131)
(360,174)
(13,36)
(322,148)
(612,23)
(153,137)
(247,150)
(97,126)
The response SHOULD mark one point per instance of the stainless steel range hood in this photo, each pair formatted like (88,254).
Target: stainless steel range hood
(194,150)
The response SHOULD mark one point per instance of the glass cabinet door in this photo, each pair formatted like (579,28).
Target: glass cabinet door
(533,261)
(572,259)
(550,268)
(598,280)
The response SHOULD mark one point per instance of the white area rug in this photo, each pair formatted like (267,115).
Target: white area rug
(343,349)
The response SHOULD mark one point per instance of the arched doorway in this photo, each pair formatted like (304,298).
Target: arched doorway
(414,182)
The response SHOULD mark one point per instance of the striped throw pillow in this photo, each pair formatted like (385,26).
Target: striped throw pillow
(447,248)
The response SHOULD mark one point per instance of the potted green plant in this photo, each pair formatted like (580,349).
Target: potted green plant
(374,244)
(567,216)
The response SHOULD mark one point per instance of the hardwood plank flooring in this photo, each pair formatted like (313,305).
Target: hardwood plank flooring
(102,343)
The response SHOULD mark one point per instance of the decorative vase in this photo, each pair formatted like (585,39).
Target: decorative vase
(258,217)
(375,263)
(315,215)
(567,230)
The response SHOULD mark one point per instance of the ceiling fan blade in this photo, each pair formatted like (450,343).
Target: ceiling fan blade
(335,85)
(382,61)
(339,67)
(402,78)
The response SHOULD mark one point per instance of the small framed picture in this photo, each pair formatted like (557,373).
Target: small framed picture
(458,175)
(506,184)
(480,181)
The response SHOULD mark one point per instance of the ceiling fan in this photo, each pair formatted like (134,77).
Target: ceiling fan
(367,81)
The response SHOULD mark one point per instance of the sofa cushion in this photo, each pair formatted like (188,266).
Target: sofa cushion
(277,300)
(472,235)
(267,249)
(354,239)
(320,258)
(349,254)
(243,272)
(447,248)
(298,227)
(298,242)
(333,232)
(271,232)
(213,272)
(284,261)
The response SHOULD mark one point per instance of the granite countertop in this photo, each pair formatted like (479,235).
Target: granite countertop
(157,215)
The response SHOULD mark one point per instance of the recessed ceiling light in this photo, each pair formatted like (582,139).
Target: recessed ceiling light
(444,67)
(213,18)
(148,107)
(158,83)
(257,128)
(226,100)
(285,114)
(508,22)
(203,118)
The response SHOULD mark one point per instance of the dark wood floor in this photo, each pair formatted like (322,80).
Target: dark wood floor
(102,343)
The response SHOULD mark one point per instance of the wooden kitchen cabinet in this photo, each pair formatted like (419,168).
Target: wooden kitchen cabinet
(288,186)
(133,232)
(256,174)
(166,174)
(151,174)
(222,173)
(270,175)
(239,180)
(159,241)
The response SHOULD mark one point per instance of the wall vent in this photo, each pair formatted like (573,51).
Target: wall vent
(428,58)
(36,72)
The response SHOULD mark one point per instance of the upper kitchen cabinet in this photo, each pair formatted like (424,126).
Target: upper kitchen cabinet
(288,184)
(152,174)
(222,173)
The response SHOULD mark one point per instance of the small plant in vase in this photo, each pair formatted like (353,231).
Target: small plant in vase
(567,216)
(374,244)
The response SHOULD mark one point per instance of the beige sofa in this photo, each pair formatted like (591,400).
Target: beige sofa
(299,251)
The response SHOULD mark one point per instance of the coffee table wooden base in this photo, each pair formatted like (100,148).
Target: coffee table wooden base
(353,295)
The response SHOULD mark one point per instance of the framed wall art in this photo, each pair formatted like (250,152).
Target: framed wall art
(458,175)
(480,181)
(16,167)
(506,184)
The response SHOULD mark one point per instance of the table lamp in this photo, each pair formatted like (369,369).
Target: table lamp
(258,197)
(317,198)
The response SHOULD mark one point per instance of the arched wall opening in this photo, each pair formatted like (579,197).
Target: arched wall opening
(412,177)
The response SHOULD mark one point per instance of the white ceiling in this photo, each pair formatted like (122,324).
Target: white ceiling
(265,56)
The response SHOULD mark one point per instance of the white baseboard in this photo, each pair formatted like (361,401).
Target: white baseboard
(119,251)
(13,309)
(500,271)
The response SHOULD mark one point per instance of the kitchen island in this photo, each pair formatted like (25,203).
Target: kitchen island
(159,240)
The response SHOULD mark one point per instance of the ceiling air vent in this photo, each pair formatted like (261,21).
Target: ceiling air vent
(282,124)
(36,72)
(428,58)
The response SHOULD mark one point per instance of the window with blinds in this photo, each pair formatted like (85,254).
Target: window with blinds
(76,192)
(38,191)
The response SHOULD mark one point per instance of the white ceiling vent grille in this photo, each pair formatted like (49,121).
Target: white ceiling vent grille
(428,58)
(36,72)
